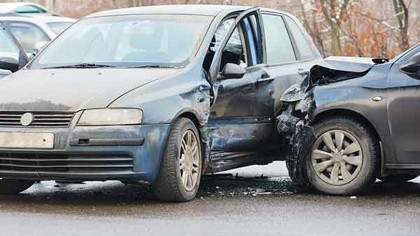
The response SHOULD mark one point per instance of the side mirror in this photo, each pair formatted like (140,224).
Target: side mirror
(232,71)
(9,64)
(412,66)
(4,73)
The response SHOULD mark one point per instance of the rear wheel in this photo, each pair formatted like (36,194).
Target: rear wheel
(344,157)
(11,186)
(397,179)
(180,172)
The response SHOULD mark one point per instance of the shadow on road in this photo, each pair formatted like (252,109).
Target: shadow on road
(115,197)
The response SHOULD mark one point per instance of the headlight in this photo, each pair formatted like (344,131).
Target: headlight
(110,117)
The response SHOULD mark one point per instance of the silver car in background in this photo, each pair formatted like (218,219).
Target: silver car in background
(33,31)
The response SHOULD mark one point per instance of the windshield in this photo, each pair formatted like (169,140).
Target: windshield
(59,27)
(126,41)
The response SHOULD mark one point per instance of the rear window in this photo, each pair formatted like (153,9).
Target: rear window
(305,51)
(279,46)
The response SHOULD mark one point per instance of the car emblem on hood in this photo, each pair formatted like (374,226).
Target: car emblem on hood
(26,119)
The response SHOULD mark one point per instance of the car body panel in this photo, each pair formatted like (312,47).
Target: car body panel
(207,10)
(379,94)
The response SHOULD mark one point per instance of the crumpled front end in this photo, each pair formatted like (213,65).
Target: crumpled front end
(294,126)
(295,122)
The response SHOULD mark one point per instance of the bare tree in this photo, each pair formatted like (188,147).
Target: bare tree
(311,26)
(401,12)
(334,12)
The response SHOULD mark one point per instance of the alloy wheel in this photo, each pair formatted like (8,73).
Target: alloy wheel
(337,157)
(189,160)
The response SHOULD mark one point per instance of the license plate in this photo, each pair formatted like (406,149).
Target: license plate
(26,140)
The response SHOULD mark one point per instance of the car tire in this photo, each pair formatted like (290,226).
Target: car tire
(11,186)
(398,179)
(180,171)
(344,158)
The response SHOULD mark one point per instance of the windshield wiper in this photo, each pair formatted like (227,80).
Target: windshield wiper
(151,66)
(82,65)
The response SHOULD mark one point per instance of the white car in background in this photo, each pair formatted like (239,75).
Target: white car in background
(33,31)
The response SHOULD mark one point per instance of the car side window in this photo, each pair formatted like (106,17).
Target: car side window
(28,35)
(8,48)
(303,46)
(241,48)
(235,50)
(278,43)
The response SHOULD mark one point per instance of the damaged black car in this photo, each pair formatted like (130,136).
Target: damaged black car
(353,120)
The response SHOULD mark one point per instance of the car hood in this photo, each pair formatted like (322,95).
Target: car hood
(348,64)
(72,89)
(331,70)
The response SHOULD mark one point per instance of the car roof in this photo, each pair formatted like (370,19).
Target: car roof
(11,7)
(50,18)
(207,10)
(46,18)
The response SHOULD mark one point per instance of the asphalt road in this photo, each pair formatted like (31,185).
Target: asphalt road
(226,205)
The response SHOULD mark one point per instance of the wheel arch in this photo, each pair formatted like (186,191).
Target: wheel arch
(360,118)
(200,124)
(347,113)
(190,115)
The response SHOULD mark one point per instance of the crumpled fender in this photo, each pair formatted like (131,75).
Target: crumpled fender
(294,124)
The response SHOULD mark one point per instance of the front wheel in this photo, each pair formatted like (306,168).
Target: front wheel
(12,186)
(180,172)
(344,157)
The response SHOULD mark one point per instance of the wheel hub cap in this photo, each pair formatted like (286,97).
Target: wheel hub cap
(336,157)
(189,160)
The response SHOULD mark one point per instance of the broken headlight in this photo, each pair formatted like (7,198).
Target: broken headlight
(95,117)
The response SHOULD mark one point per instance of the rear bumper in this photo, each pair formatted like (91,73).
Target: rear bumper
(130,153)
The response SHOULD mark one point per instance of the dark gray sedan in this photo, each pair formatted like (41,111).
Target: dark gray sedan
(154,95)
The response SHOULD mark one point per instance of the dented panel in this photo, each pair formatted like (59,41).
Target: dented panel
(373,91)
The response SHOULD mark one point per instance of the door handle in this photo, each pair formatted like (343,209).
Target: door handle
(265,77)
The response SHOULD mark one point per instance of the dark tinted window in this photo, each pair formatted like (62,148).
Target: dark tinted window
(304,47)
(279,46)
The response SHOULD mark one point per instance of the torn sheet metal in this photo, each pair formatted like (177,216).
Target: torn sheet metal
(294,123)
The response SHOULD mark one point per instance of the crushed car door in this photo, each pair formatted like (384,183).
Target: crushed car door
(238,126)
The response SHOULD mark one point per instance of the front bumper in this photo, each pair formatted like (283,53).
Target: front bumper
(129,153)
